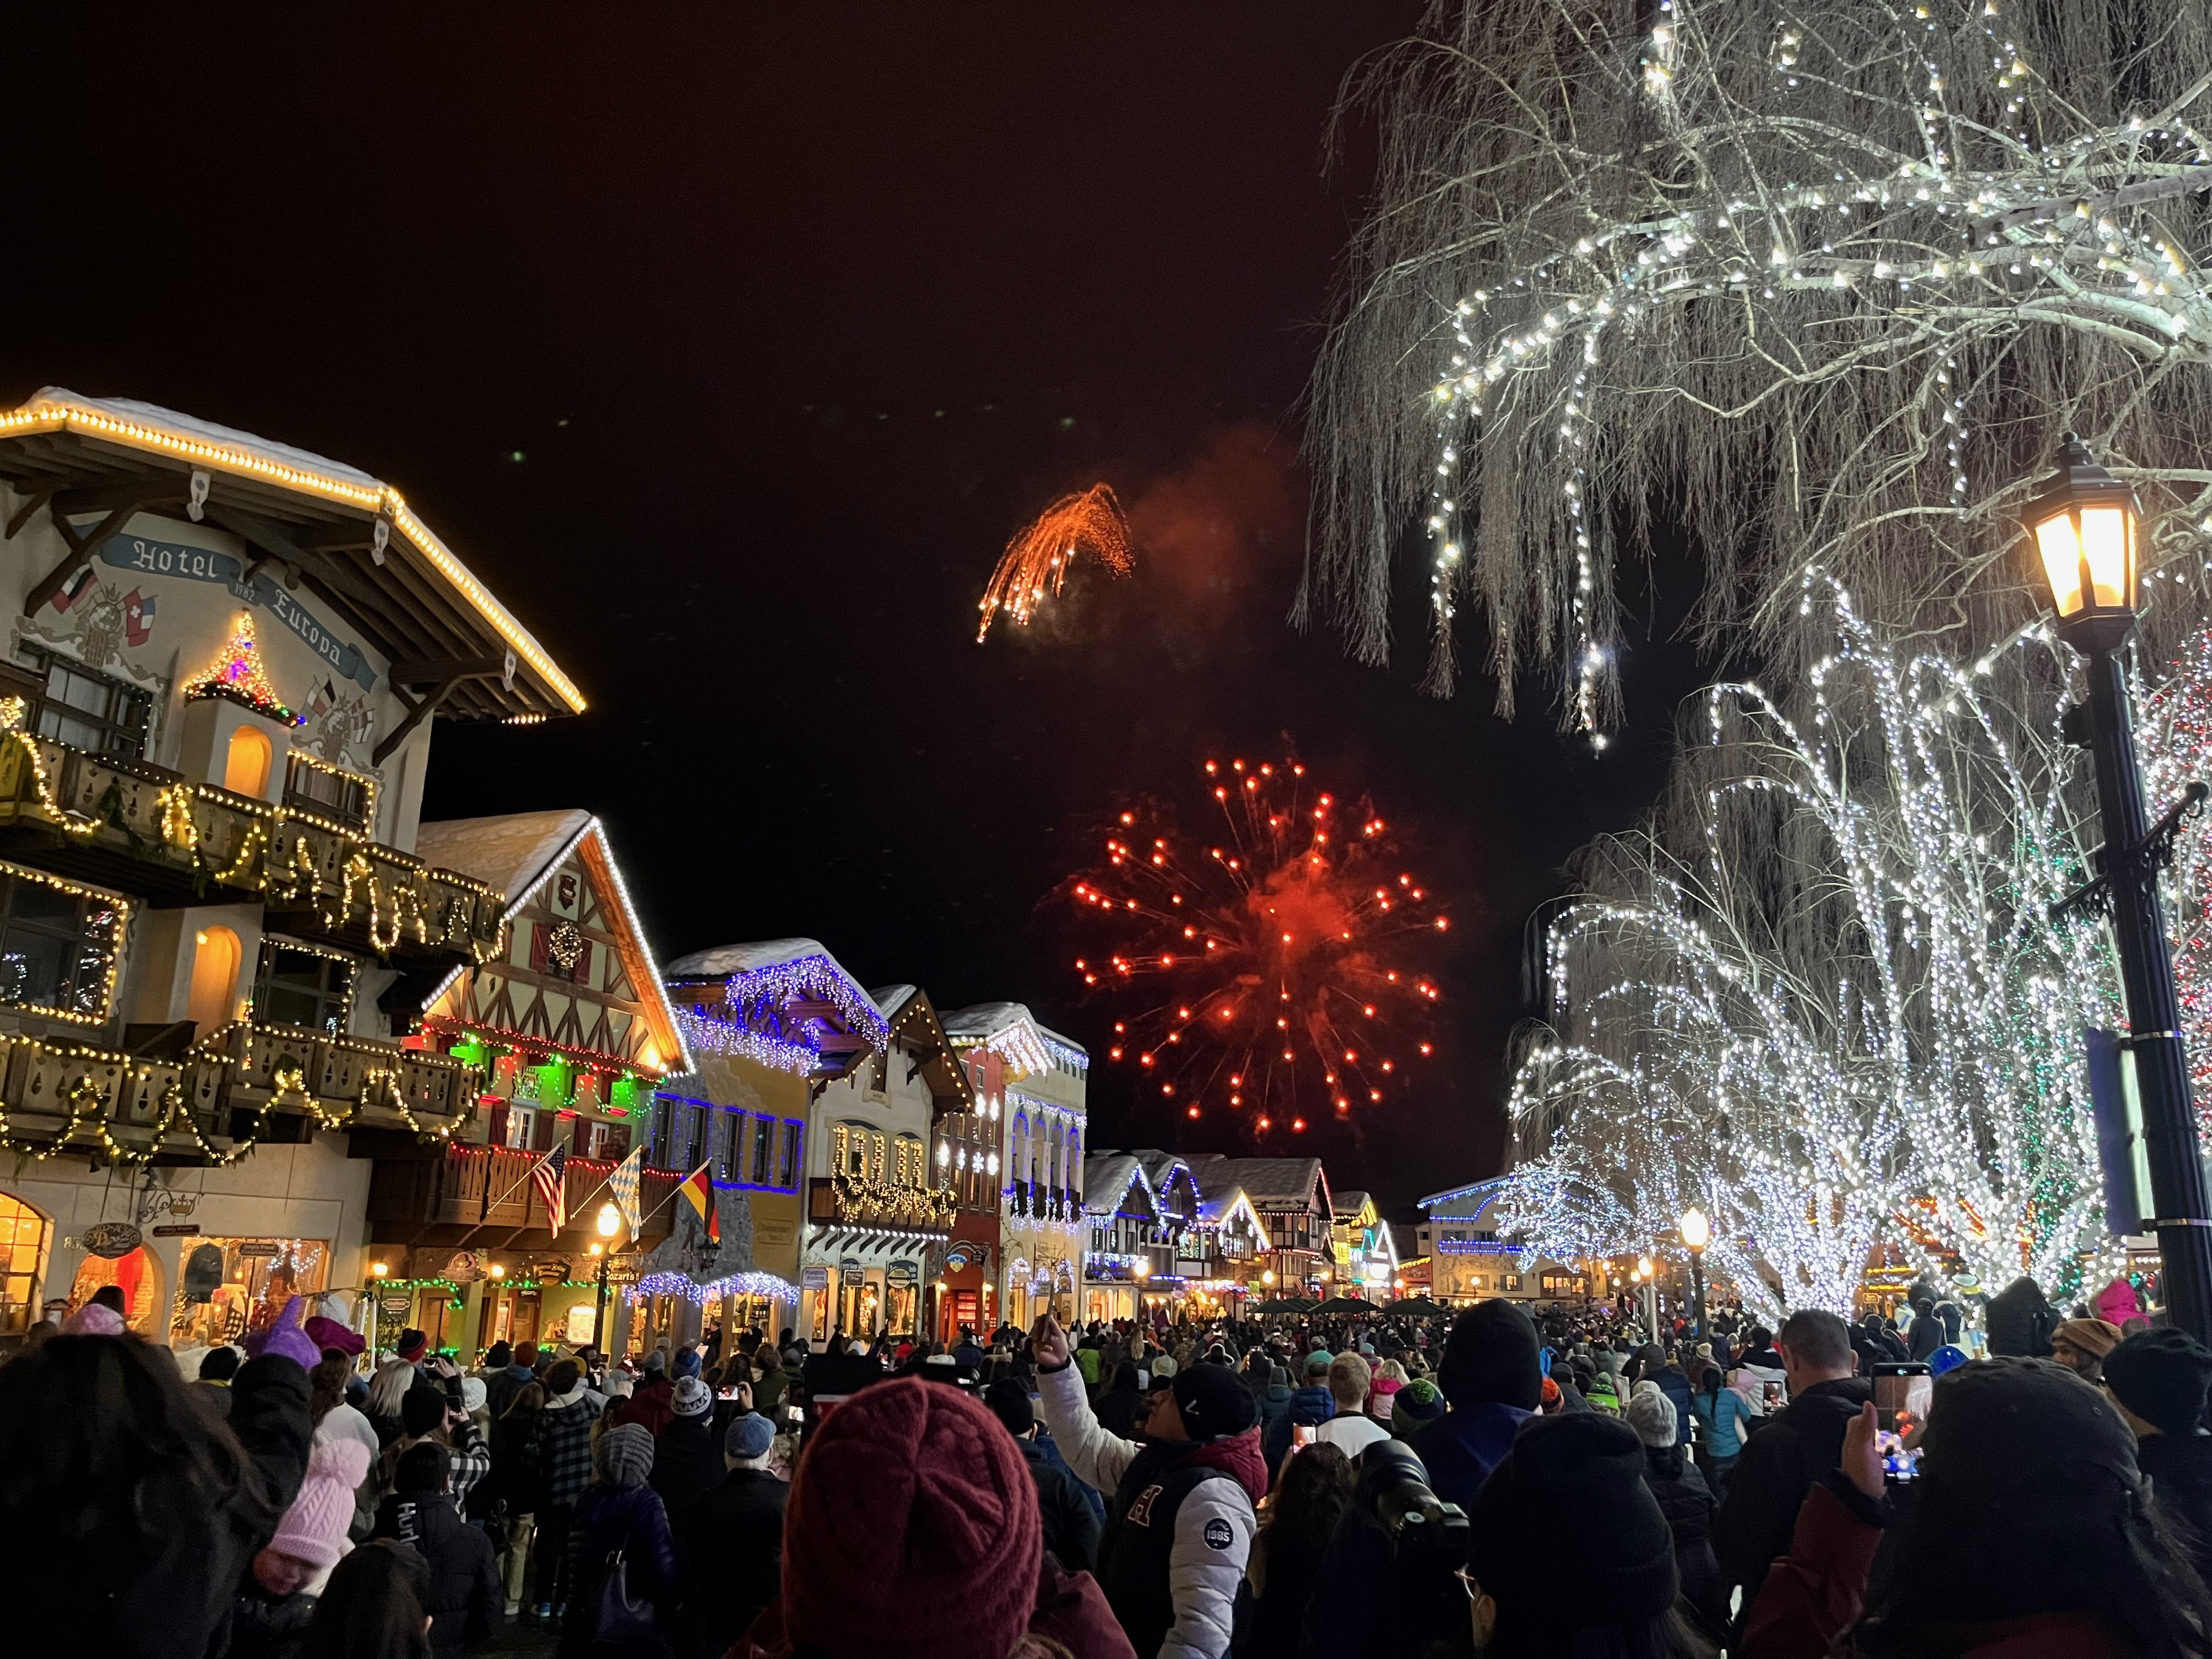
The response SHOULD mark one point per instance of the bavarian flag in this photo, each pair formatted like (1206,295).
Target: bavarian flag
(699,1187)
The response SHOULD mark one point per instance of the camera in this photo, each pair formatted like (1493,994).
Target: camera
(1428,1546)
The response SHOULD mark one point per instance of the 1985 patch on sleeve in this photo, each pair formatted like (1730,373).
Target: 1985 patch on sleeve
(1218,1534)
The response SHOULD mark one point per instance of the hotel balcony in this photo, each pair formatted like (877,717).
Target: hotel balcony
(441,1195)
(853,1205)
(243,1085)
(146,830)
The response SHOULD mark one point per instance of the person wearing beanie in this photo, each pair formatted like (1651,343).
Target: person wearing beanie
(1071,1525)
(562,1471)
(327,1334)
(426,1412)
(2081,1346)
(1180,1511)
(278,1599)
(1797,1447)
(2157,1379)
(2020,1320)
(2031,1531)
(619,1514)
(411,1346)
(464,1596)
(729,1544)
(1685,1499)
(913,1515)
(504,1381)
(687,1461)
(1414,1406)
(1561,1474)
(1491,1381)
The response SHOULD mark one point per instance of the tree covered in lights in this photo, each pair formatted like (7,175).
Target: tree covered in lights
(1819,285)
(1821,994)
(2175,739)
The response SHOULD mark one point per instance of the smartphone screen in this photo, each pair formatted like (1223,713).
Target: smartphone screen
(1301,1435)
(1901,1397)
(1772,1393)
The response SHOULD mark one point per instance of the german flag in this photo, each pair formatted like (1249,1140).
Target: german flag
(699,1187)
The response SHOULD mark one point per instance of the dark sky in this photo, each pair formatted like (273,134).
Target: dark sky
(730,353)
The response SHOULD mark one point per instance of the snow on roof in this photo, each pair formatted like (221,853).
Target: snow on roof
(1349,1203)
(1219,1201)
(128,422)
(1012,1029)
(505,853)
(1265,1180)
(892,998)
(1488,1188)
(1160,1168)
(720,961)
(1107,1177)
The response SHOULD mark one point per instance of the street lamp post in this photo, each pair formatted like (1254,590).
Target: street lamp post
(2084,525)
(1695,1234)
(1644,1274)
(609,1223)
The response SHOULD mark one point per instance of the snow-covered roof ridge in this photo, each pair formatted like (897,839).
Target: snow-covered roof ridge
(892,998)
(720,961)
(504,852)
(58,399)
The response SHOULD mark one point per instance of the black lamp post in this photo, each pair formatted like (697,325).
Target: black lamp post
(1695,1234)
(2085,527)
(609,1223)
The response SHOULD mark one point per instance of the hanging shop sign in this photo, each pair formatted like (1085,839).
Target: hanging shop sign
(552,1272)
(177,1230)
(852,1277)
(395,1306)
(815,1279)
(111,1239)
(902,1272)
(464,1268)
(203,564)
(260,1247)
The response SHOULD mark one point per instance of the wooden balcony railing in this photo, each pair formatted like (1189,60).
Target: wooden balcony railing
(471,1186)
(213,1105)
(146,829)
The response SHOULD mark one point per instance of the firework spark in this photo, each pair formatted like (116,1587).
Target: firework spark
(1272,960)
(1034,566)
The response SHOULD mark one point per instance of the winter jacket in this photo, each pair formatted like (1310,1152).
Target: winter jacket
(1812,1600)
(1461,1448)
(652,1403)
(466,1593)
(1926,1335)
(1213,1523)
(729,1552)
(628,1521)
(687,1461)
(1780,1463)
(2181,1470)
(1071,1609)
(1722,1415)
(1049,1449)
(2116,1304)
(1274,1409)
(515,1478)
(1071,1526)
(179,1604)
(1687,1503)
(501,1386)
(564,1447)
(1309,1407)
(1675,1382)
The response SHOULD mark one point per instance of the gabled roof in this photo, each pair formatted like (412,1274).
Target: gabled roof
(892,998)
(1107,1178)
(525,849)
(916,1028)
(1265,1180)
(1016,1034)
(1160,1170)
(1218,1204)
(1481,1190)
(785,1003)
(1345,1204)
(407,593)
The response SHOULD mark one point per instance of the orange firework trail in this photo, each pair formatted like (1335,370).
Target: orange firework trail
(1274,963)
(1036,564)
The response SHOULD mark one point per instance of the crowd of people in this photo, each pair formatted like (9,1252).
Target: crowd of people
(1575,1483)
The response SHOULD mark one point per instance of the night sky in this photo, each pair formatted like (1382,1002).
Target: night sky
(731,352)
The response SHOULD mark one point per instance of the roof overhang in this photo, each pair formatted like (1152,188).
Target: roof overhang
(349,537)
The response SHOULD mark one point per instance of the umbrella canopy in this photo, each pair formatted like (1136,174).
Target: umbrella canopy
(1416,1307)
(1285,1304)
(1341,1304)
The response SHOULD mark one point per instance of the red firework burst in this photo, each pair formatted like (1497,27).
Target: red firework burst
(1274,961)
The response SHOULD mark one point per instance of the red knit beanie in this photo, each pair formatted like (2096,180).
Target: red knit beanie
(912,1511)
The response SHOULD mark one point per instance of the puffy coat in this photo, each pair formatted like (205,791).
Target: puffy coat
(466,1593)
(1687,1503)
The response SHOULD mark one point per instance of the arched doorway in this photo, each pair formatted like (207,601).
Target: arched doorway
(215,956)
(24,1232)
(138,1276)
(247,766)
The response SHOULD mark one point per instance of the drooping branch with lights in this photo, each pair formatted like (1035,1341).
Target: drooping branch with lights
(1821,285)
(1822,995)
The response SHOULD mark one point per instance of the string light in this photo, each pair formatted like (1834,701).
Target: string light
(239,676)
(753,1018)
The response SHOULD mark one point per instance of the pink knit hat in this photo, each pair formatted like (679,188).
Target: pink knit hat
(95,1319)
(912,1510)
(314,1528)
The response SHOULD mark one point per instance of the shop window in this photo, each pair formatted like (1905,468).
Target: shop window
(246,763)
(327,791)
(232,1288)
(85,709)
(22,1247)
(59,943)
(214,977)
(295,986)
(138,1275)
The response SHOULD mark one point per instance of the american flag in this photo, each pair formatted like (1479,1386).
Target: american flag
(550,1191)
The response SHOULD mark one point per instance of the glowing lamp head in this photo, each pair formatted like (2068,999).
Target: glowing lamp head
(1142,1270)
(1696,1232)
(378,1269)
(2084,528)
(498,1270)
(609,1222)
(1643,1267)
(1267,1276)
